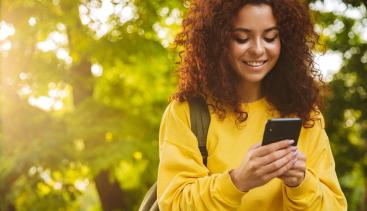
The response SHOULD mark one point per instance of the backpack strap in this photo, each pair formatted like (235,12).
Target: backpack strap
(200,120)
(150,202)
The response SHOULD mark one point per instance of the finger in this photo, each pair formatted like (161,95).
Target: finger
(292,181)
(252,148)
(277,164)
(279,171)
(301,156)
(276,155)
(283,177)
(292,173)
(295,175)
(257,145)
(299,165)
(267,149)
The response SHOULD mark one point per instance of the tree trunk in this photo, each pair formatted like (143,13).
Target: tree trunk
(364,206)
(110,194)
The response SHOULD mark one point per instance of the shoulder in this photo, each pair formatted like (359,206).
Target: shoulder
(313,136)
(175,117)
(177,110)
(317,118)
(175,129)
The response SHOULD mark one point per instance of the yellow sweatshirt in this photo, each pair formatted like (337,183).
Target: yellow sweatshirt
(185,183)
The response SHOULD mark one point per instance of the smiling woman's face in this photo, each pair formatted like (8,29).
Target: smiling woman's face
(254,46)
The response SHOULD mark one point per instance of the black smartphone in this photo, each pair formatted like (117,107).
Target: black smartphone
(278,129)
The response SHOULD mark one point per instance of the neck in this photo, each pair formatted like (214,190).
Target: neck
(250,92)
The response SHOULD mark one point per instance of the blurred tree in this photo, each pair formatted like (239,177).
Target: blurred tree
(346,98)
(83,87)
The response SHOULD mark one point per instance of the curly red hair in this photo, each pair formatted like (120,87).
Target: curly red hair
(291,87)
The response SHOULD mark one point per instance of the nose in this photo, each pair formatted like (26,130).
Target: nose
(257,48)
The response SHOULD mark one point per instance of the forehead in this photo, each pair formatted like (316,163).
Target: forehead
(255,17)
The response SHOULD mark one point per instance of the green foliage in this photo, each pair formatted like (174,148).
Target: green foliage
(107,122)
(346,104)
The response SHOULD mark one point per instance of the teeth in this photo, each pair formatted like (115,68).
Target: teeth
(255,63)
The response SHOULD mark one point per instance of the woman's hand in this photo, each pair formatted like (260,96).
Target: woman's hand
(294,176)
(264,163)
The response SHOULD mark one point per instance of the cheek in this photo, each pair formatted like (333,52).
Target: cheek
(275,50)
(236,50)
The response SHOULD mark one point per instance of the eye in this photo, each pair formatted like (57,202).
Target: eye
(241,41)
(269,39)
(272,39)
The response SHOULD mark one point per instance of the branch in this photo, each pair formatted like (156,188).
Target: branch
(365,3)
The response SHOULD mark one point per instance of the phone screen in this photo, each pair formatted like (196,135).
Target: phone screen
(278,129)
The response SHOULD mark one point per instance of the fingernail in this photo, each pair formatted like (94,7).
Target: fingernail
(290,142)
(294,148)
(295,153)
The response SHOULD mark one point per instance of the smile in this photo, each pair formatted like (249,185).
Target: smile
(254,63)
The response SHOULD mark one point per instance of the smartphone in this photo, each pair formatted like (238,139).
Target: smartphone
(278,129)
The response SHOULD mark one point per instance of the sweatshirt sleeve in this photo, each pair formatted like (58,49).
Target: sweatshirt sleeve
(320,190)
(184,182)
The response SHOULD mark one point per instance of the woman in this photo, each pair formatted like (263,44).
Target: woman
(250,60)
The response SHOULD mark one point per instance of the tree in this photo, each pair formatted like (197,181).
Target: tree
(107,122)
(346,101)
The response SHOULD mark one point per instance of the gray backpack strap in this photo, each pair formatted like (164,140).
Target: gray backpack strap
(150,202)
(200,120)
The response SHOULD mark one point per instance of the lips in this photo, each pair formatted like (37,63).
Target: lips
(255,63)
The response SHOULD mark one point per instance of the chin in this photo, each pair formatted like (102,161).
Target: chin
(253,77)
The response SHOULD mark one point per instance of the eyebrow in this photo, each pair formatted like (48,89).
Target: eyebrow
(249,30)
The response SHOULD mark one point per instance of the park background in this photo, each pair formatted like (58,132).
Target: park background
(84,84)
